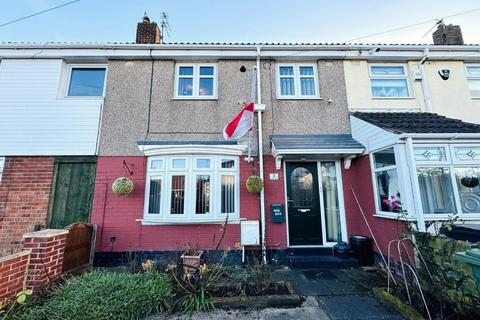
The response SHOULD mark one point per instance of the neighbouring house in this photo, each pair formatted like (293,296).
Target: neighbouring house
(50,117)
(333,121)
(429,78)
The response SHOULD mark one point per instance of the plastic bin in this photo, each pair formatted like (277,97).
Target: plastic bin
(472,257)
(362,248)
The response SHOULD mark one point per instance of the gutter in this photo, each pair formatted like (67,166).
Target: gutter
(452,136)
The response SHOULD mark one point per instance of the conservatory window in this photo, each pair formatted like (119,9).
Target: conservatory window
(389,81)
(386,181)
(467,180)
(191,188)
(436,190)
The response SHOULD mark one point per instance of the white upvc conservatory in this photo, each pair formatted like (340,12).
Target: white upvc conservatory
(431,176)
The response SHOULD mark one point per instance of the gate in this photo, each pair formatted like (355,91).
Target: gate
(79,247)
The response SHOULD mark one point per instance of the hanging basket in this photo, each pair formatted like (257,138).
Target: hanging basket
(470,182)
(122,186)
(254,184)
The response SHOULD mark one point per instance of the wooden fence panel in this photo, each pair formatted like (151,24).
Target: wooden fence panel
(78,247)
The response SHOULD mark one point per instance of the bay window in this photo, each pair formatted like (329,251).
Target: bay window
(182,189)
(386,181)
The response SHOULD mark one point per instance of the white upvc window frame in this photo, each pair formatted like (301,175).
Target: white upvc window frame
(379,212)
(469,77)
(196,81)
(191,172)
(2,166)
(69,69)
(297,85)
(451,163)
(405,77)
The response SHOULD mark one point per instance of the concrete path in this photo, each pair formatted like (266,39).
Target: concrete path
(329,295)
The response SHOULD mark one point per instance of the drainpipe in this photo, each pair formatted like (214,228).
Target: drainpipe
(413,177)
(260,159)
(426,91)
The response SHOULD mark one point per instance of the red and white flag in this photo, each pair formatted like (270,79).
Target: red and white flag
(241,124)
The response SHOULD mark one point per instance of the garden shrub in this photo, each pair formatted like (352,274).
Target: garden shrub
(103,295)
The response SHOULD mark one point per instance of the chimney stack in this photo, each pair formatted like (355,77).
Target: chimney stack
(147,32)
(447,35)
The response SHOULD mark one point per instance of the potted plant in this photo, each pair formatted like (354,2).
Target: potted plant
(191,259)
(254,184)
(122,186)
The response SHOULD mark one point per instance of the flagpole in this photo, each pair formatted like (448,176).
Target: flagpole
(260,158)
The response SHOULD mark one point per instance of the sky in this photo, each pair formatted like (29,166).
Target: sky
(299,21)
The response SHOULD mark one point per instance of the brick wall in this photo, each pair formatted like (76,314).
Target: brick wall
(13,269)
(359,177)
(46,258)
(24,195)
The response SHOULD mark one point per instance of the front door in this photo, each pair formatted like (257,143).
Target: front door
(304,214)
(72,191)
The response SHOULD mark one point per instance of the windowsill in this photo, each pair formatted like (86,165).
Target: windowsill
(393,98)
(446,218)
(195,98)
(162,221)
(82,98)
(393,217)
(299,98)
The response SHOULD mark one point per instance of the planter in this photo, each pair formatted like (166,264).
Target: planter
(254,184)
(191,262)
(122,186)
(286,297)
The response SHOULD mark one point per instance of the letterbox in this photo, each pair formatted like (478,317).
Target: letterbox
(278,213)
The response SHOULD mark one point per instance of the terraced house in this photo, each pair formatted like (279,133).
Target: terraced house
(339,129)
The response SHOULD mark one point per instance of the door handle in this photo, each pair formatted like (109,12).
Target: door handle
(304,210)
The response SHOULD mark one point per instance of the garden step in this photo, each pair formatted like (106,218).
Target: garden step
(321,262)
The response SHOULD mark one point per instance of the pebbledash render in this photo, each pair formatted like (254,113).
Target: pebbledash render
(339,123)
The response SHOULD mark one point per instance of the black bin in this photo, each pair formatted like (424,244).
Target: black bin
(362,249)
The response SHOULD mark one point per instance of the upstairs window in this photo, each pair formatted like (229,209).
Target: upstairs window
(196,81)
(86,81)
(473,78)
(389,81)
(297,81)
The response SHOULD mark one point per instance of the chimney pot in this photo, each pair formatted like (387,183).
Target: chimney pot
(147,32)
(448,35)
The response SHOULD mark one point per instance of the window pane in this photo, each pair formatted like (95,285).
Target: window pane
(387,190)
(156,164)
(178,195)
(155,195)
(185,86)
(389,87)
(330,198)
(468,189)
(307,86)
(387,71)
(202,203)
(436,190)
(185,71)
(302,187)
(430,154)
(206,71)
(473,71)
(474,86)
(228,164)
(286,71)
(228,194)
(306,71)
(203,163)
(179,163)
(206,87)
(467,153)
(287,86)
(86,82)
(384,158)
